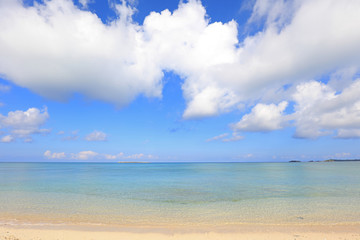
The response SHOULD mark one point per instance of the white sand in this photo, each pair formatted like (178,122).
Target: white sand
(248,232)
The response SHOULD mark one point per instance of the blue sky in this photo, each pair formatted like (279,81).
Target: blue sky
(263,80)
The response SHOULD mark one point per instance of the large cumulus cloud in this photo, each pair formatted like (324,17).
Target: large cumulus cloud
(56,49)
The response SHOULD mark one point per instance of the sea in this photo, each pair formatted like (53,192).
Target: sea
(181,194)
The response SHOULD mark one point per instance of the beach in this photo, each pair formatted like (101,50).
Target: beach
(179,201)
(248,232)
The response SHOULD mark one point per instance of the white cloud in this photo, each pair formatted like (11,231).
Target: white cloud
(7,139)
(235,137)
(84,155)
(48,154)
(320,111)
(274,13)
(96,136)
(224,137)
(342,78)
(263,118)
(348,133)
(185,42)
(303,48)
(291,48)
(91,155)
(70,50)
(135,156)
(221,136)
(114,157)
(118,61)
(23,124)
(84,3)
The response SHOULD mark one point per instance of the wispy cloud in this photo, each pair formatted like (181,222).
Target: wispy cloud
(245,156)
(235,136)
(7,139)
(96,136)
(4,88)
(84,3)
(73,136)
(221,136)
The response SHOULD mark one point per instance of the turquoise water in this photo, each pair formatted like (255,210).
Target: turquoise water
(180,193)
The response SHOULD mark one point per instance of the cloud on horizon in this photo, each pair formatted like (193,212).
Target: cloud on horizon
(91,155)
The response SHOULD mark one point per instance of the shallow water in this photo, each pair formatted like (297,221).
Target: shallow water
(180,193)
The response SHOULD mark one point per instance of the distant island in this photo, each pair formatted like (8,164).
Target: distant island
(330,160)
(340,160)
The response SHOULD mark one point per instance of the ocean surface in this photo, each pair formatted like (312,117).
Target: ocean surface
(180,193)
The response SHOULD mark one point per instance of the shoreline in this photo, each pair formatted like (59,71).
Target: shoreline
(155,224)
(238,231)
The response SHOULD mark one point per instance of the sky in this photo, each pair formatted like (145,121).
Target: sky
(188,81)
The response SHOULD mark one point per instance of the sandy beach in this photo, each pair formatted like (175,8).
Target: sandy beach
(179,201)
(248,232)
